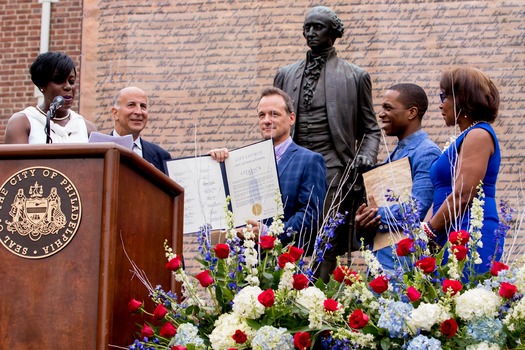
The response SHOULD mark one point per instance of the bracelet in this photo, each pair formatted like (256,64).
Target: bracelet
(428,231)
(434,231)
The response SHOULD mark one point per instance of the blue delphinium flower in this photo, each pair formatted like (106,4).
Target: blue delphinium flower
(393,317)
(337,344)
(422,342)
(203,238)
(137,345)
(500,232)
(486,330)
(323,239)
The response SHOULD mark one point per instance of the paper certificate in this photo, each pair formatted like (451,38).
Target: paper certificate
(248,175)
(395,176)
(126,141)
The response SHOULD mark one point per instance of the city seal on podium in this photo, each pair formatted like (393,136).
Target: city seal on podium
(40,212)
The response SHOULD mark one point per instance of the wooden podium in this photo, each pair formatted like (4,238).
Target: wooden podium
(76,296)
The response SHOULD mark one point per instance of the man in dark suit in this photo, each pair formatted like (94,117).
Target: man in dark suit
(335,117)
(302,173)
(130,113)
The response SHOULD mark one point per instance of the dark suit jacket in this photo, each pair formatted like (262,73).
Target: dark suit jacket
(154,154)
(349,106)
(302,177)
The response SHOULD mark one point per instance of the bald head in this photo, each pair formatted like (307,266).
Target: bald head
(130,111)
(125,91)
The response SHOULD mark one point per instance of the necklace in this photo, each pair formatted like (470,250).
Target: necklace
(454,137)
(55,118)
(471,126)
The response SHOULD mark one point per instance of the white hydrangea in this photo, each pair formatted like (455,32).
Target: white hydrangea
(271,338)
(187,334)
(425,316)
(483,346)
(478,302)
(311,298)
(225,327)
(246,304)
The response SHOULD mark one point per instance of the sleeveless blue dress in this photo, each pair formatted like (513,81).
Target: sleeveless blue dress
(442,174)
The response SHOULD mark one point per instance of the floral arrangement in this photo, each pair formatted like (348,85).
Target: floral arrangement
(259,294)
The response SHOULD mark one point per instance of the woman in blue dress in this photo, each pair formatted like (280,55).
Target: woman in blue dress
(469,100)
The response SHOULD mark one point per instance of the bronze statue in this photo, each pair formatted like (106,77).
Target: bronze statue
(335,117)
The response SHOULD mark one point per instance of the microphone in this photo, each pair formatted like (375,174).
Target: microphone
(58,102)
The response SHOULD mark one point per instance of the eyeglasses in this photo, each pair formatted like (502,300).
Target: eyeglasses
(442,96)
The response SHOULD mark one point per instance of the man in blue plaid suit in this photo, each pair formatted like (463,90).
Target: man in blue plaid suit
(302,173)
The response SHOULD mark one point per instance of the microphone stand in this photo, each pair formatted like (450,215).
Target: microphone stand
(49,115)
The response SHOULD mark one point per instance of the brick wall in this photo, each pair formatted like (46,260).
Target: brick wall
(20,44)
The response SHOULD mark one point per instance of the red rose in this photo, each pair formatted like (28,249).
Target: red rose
(404,247)
(134,305)
(460,251)
(358,319)
(460,237)
(168,330)
(507,290)
(379,284)
(343,273)
(296,252)
(239,337)
(160,312)
(285,258)
(178,347)
(204,278)
(174,264)
(413,294)
(428,265)
(497,267)
(340,273)
(331,305)
(222,251)
(267,242)
(451,286)
(302,340)
(300,281)
(449,327)
(267,298)
(146,331)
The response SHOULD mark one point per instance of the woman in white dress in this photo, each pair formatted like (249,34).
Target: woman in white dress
(54,74)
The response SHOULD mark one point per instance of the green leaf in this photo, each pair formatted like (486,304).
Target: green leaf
(253,324)
(385,343)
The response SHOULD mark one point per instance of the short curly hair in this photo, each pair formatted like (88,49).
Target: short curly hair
(338,27)
(51,66)
(474,93)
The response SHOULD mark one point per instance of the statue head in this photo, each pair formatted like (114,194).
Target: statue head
(322,27)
